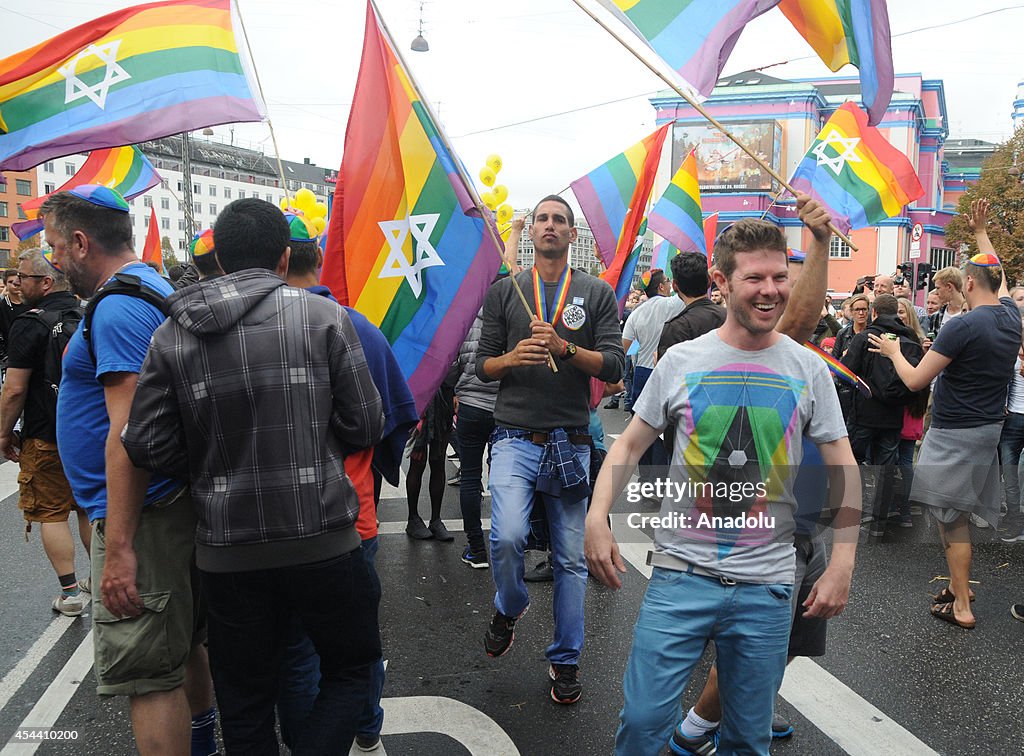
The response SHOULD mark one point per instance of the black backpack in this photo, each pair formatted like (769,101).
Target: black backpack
(122,283)
(61,325)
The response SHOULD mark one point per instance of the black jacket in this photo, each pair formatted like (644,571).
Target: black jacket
(884,409)
(697,318)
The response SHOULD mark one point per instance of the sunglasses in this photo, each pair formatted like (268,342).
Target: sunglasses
(30,275)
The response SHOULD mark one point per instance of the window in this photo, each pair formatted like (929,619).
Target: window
(941,257)
(181,224)
(165,203)
(181,207)
(69,169)
(131,218)
(241,194)
(145,221)
(227,192)
(838,249)
(213,190)
(147,201)
(24,187)
(197,208)
(49,187)
(213,209)
(5,234)
(164,184)
(48,166)
(270,198)
(3,209)
(181,187)
(181,243)
(131,202)
(196,189)
(165,224)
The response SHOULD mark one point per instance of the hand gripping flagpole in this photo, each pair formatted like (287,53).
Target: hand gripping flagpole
(711,119)
(484,213)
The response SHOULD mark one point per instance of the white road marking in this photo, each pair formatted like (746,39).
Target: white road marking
(52,703)
(14,679)
(470,727)
(9,479)
(856,726)
(455,526)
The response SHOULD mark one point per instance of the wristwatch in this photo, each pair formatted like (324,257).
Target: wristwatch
(569,352)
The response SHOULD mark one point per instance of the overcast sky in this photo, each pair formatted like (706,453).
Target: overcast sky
(493,65)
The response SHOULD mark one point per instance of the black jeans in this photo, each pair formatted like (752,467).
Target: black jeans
(473,431)
(249,614)
(878,449)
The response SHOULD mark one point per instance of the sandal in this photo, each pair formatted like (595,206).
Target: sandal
(945,596)
(944,612)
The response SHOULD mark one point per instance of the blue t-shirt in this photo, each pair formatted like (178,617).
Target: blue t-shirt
(121,330)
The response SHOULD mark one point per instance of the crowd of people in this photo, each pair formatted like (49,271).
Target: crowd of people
(222,443)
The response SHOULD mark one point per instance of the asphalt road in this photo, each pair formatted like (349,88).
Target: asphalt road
(894,680)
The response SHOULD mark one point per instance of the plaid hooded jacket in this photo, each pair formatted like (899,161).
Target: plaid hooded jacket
(253,391)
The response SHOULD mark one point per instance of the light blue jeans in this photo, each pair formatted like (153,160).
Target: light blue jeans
(749,624)
(513,479)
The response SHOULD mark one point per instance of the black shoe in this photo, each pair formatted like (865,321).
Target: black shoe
(501,633)
(440,532)
(702,745)
(476,560)
(367,743)
(456,479)
(566,687)
(542,573)
(612,403)
(418,530)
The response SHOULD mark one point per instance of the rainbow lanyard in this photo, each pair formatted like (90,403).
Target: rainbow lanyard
(561,294)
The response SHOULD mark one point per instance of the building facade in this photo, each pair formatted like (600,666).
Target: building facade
(780,119)
(15,187)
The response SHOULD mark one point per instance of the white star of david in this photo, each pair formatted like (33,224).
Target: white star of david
(424,255)
(847,155)
(76,89)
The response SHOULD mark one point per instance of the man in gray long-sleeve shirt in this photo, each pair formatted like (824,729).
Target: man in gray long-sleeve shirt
(540,443)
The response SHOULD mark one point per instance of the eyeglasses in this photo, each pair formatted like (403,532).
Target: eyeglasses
(860,309)
(31,275)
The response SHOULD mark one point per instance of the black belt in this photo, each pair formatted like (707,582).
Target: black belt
(579,439)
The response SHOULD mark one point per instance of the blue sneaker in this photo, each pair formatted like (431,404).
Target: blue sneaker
(703,745)
(781,728)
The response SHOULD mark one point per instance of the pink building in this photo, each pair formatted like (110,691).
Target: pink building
(779,119)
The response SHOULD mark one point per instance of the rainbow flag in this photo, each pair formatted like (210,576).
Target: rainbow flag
(135,74)
(840,371)
(694,37)
(620,273)
(124,169)
(854,171)
(406,245)
(614,195)
(677,216)
(850,31)
(710,234)
(151,250)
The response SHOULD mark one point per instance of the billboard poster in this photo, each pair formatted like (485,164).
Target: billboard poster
(721,165)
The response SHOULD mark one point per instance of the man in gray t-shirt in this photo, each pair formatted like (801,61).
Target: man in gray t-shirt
(742,398)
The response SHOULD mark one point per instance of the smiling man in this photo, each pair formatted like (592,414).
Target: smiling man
(742,397)
(541,443)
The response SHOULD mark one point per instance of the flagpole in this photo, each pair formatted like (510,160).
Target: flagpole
(259,85)
(499,244)
(711,119)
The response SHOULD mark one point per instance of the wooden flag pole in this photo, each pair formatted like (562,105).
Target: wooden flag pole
(500,245)
(711,119)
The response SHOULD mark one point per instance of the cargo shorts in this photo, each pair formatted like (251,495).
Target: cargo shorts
(45,495)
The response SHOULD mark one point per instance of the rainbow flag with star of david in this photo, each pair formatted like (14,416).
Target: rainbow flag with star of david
(855,172)
(136,74)
(406,245)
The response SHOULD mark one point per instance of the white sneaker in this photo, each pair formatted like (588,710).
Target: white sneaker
(979,522)
(71,606)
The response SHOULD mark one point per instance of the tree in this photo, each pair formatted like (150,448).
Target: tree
(170,259)
(1000,184)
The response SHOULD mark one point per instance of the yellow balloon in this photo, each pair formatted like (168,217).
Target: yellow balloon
(504,213)
(319,224)
(494,163)
(319,210)
(487,176)
(304,200)
(489,201)
(284,204)
(500,193)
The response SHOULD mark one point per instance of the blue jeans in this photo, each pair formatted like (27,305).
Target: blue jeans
(1011,444)
(472,431)
(749,624)
(655,454)
(248,615)
(514,466)
(300,675)
(905,460)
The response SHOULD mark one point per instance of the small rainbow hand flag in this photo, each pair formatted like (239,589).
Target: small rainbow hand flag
(677,216)
(855,172)
(124,169)
(840,371)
